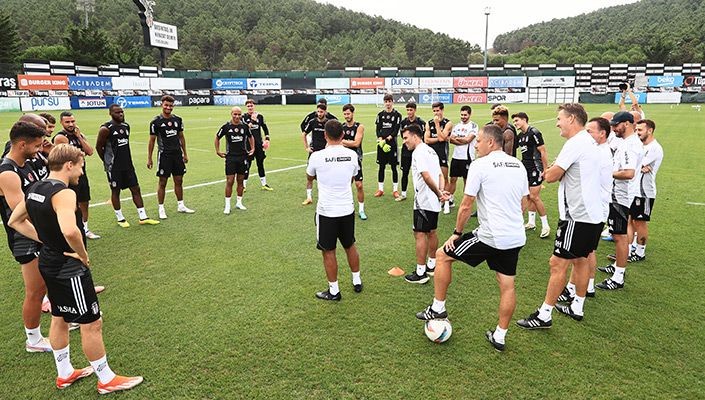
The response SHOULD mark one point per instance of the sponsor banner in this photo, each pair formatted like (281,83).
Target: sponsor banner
(264,84)
(366,83)
(43,82)
(234,100)
(508,97)
(130,83)
(166,83)
(551,81)
(87,102)
(692,80)
(230,84)
(666,81)
(663,97)
(436,82)
(8,82)
(507,81)
(198,100)
(640,97)
(334,98)
(90,83)
(163,35)
(130,101)
(9,104)
(470,98)
(470,82)
(428,98)
(18,93)
(366,98)
(197,84)
(45,103)
(404,98)
(401,83)
(332,83)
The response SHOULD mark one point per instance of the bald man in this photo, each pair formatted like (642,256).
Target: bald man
(239,139)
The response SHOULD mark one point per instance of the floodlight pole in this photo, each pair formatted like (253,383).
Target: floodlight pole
(487,25)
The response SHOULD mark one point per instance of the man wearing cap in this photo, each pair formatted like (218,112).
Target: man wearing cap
(627,175)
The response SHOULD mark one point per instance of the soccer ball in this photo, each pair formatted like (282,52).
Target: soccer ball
(438,330)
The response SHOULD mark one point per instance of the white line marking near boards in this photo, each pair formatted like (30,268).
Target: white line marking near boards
(694,204)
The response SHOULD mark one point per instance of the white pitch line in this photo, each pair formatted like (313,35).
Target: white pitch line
(694,204)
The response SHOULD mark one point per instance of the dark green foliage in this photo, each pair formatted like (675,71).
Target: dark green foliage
(9,39)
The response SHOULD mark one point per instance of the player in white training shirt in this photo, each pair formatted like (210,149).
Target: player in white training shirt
(462,135)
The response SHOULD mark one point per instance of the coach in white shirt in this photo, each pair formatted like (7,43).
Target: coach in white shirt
(581,211)
(334,168)
(498,182)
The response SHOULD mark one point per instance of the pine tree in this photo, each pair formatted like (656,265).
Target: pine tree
(9,40)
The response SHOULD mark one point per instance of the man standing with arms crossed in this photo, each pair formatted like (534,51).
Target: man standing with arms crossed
(353,132)
(462,135)
(239,146)
(255,121)
(428,195)
(437,135)
(167,130)
(387,127)
(498,183)
(405,158)
(316,128)
(580,210)
(334,167)
(72,135)
(63,263)
(500,117)
(113,146)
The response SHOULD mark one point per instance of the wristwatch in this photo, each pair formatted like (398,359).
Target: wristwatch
(457,233)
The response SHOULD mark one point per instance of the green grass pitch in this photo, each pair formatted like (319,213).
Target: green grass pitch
(214,306)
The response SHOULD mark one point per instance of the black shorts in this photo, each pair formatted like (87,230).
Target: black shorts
(236,165)
(358,177)
(74,299)
(617,219)
(442,156)
(534,176)
(83,189)
(405,162)
(123,179)
(576,239)
(171,165)
(470,250)
(331,229)
(24,250)
(459,168)
(387,158)
(425,221)
(641,208)
(259,153)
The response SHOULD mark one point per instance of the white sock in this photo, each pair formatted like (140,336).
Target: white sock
(544,220)
(239,200)
(395,186)
(571,288)
(591,285)
(499,334)
(618,275)
(263,180)
(634,241)
(244,183)
(403,193)
(431,262)
(180,203)
(361,206)
(85,226)
(577,305)
(380,186)
(420,269)
(33,335)
(118,215)
(62,359)
(309,193)
(142,213)
(545,312)
(333,288)
(532,217)
(641,250)
(356,278)
(161,207)
(102,370)
(227,202)
(438,305)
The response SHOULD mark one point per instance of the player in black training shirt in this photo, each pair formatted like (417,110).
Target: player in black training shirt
(387,128)
(314,114)
(63,263)
(315,128)
(411,119)
(255,121)
(16,176)
(168,131)
(72,135)
(113,146)
(240,145)
(535,160)
(500,117)
(353,132)
(437,136)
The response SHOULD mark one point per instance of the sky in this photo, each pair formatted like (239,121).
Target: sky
(466,19)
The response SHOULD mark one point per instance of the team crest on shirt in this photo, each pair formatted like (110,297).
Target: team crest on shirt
(94,308)
(169,123)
